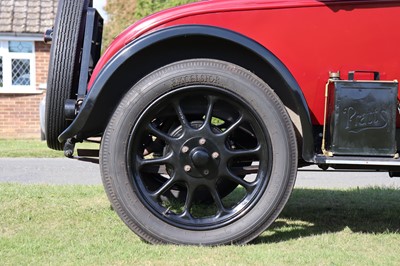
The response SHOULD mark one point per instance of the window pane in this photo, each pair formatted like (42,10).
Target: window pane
(1,71)
(20,47)
(21,72)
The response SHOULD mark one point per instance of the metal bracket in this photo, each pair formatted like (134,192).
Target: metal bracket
(90,55)
(91,49)
(69,147)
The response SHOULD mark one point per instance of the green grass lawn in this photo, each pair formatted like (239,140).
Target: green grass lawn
(74,225)
(34,148)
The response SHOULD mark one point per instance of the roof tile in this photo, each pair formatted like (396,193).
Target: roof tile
(27,16)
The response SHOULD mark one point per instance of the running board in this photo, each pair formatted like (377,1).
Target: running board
(353,162)
(88,153)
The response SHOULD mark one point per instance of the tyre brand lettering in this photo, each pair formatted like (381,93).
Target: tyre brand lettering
(189,79)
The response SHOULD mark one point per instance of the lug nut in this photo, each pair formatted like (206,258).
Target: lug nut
(202,141)
(215,155)
(185,149)
(187,168)
(206,172)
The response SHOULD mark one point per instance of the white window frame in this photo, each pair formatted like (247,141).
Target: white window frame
(7,67)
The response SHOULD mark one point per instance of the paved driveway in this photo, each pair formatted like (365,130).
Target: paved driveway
(48,171)
(67,171)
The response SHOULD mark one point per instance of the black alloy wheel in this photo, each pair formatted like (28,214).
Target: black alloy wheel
(206,155)
(200,160)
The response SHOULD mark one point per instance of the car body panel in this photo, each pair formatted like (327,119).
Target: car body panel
(311,38)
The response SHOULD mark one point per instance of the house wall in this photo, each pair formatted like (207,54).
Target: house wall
(19,116)
(19,113)
(42,56)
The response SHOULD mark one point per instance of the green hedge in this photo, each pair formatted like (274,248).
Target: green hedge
(147,7)
(122,13)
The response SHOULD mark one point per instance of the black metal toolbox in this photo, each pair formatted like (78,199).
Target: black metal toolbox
(361,118)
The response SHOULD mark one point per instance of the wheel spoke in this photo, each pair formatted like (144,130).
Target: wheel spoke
(232,127)
(217,201)
(156,161)
(232,177)
(155,169)
(159,134)
(208,117)
(242,153)
(186,215)
(189,200)
(167,185)
(181,115)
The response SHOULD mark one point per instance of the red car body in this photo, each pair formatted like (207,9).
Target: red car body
(303,41)
(311,38)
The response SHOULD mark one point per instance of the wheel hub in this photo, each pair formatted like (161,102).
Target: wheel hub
(199,157)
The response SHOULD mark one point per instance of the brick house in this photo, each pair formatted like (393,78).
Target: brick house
(24,61)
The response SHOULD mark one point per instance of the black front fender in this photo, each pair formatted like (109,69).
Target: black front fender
(98,106)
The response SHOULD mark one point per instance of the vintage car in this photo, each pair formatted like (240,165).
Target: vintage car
(206,111)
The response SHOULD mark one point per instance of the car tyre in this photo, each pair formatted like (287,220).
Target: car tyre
(63,76)
(223,96)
